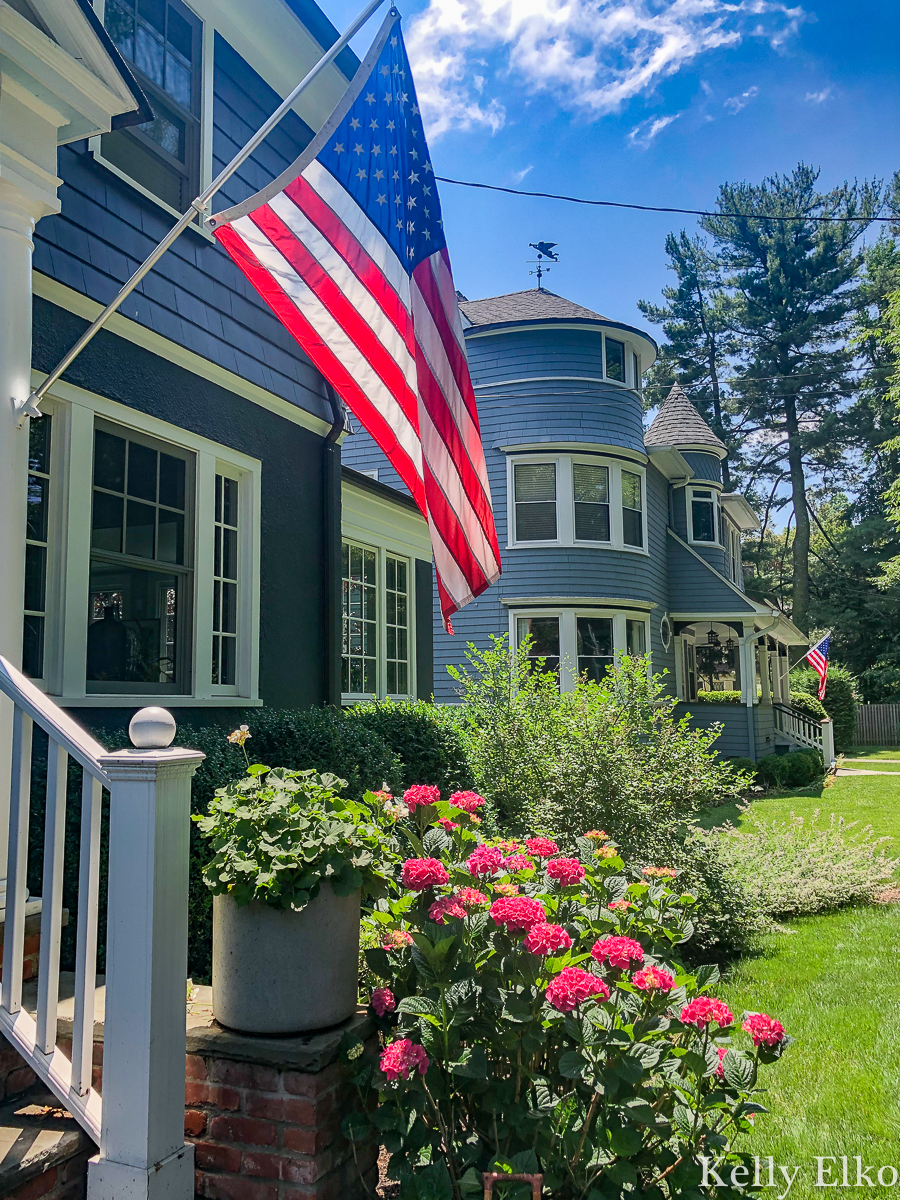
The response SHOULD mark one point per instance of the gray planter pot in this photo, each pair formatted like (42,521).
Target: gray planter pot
(281,972)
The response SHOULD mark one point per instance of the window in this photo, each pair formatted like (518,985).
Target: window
(161,39)
(636,371)
(702,503)
(376,657)
(734,564)
(615,360)
(140,578)
(544,639)
(632,509)
(579,643)
(591,486)
(37,537)
(225,582)
(535,501)
(576,499)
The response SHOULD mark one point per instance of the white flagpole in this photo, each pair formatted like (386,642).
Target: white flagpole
(810,650)
(29,407)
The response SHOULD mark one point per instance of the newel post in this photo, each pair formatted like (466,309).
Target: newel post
(828,742)
(143,1155)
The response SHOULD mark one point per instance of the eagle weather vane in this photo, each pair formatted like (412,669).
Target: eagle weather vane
(544,252)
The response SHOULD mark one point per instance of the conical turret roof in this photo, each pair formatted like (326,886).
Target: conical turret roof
(679,424)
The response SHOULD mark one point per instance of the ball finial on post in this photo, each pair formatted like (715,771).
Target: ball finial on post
(152,729)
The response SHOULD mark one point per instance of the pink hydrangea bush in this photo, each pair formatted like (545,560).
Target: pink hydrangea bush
(542,1020)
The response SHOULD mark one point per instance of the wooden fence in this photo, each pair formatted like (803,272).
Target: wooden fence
(878,724)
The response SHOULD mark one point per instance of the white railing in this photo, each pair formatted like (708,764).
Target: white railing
(803,730)
(139,1122)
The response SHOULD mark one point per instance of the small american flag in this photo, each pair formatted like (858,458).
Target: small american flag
(347,247)
(818,660)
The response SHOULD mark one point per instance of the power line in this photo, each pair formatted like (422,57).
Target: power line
(687,212)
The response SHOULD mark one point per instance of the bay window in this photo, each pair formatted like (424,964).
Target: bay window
(574,499)
(376,635)
(580,643)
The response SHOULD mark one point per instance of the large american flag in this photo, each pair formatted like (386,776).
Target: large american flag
(347,247)
(818,660)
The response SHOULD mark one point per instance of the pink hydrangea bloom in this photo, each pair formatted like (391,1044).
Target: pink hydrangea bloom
(653,979)
(764,1030)
(397,939)
(720,1069)
(383,1001)
(420,795)
(546,939)
(446,823)
(606,852)
(445,906)
(507,847)
(596,835)
(541,847)
(506,889)
(620,905)
(467,801)
(484,860)
(565,871)
(572,987)
(422,873)
(517,862)
(384,796)
(660,872)
(704,1009)
(619,952)
(401,1057)
(518,913)
(471,898)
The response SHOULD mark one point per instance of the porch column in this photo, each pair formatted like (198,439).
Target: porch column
(28,183)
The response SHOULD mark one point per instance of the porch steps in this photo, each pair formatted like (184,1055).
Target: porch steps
(43,1150)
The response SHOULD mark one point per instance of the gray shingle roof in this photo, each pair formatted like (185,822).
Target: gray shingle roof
(679,424)
(533,305)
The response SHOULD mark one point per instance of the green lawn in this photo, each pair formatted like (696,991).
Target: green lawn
(874,752)
(832,980)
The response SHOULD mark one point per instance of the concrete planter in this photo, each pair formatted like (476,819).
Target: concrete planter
(281,972)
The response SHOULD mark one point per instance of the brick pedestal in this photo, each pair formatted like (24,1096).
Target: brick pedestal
(265,1116)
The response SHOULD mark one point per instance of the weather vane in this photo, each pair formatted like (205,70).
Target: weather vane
(544,251)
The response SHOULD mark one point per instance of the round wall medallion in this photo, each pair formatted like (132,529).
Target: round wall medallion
(665,631)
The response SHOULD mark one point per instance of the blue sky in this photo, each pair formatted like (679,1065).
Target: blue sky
(654,101)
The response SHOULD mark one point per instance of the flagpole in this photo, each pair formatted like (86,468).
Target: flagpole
(29,408)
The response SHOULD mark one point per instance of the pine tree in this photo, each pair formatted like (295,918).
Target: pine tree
(792,286)
(698,342)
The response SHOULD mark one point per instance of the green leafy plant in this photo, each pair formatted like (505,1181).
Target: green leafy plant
(278,835)
(423,736)
(729,697)
(809,704)
(537,1017)
(839,700)
(799,768)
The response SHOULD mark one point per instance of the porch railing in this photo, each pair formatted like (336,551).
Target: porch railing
(139,1121)
(801,729)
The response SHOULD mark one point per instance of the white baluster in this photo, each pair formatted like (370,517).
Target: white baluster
(143,1153)
(17,863)
(86,938)
(51,912)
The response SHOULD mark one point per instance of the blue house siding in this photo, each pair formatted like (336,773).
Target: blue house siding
(704,466)
(698,590)
(194,296)
(735,741)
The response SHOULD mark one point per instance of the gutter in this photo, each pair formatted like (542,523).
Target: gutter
(331,532)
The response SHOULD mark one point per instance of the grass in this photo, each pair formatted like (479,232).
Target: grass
(874,752)
(831,980)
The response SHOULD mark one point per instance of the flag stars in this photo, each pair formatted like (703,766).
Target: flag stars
(415,109)
(360,174)
(339,147)
(404,98)
(357,149)
(396,177)
(393,41)
(391,126)
(414,154)
(410,202)
(379,175)
(373,124)
(413,177)
(354,123)
(426,189)
(393,151)
(381,198)
(385,70)
(370,98)
(376,150)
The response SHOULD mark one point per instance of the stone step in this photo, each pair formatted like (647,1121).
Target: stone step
(43,1150)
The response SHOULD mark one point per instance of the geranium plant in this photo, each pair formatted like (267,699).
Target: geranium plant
(278,835)
(535,1017)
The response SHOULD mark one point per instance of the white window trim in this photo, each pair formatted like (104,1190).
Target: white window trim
(382,549)
(565,501)
(207,42)
(69,566)
(689,513)
(568,640)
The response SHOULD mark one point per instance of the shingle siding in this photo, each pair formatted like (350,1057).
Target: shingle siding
(704,466)
(695,589)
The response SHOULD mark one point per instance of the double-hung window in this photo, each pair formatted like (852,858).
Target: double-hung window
(376,640)
(615,359)
(535,501)
(632,509)
(162,40)
(702,507)
(579,644)
(591,485)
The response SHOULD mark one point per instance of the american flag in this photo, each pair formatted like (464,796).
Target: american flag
(818,660)
(347,246)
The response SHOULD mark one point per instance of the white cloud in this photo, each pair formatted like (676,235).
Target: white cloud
(518,176)
(818,97)
(642,135)
(591,56)
(734,104)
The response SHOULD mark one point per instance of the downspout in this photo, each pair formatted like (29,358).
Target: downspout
(743,642)
(331,484)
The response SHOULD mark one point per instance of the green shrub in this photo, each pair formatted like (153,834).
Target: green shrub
(797,769)
(739,763)
(800,866)
(424,737)
(718,698)
(811,705)
(839,701)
